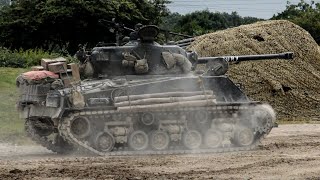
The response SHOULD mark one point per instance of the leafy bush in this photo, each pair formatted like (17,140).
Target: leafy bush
(202,22)
(71,22)
(23,58)
(9,59)
(304,14)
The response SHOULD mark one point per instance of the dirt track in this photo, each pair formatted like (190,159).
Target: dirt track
(290,151)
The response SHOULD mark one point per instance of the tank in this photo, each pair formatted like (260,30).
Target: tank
(144,98)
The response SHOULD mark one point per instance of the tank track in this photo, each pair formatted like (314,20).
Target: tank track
(58,145)
(65,132)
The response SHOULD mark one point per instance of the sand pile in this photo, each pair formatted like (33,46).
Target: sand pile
(291,87)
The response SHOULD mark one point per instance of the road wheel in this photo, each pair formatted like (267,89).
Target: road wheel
(243,136)
(104,142)
(213,138)
(138,140)
(192,139)
(159,140)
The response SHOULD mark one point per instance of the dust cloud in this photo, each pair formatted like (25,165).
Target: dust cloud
(289,152)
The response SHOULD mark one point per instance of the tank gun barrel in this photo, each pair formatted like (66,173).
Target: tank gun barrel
(175,34)
(184,42)
(286,55)
(188,40)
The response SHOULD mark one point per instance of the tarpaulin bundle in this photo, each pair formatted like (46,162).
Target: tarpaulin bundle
(39,75)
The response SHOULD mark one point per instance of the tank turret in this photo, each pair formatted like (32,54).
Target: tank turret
(144,56)
(143,97)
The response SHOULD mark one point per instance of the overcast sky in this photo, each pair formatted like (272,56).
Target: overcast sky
(255,8)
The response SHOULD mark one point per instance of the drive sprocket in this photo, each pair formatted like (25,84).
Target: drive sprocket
(52,141)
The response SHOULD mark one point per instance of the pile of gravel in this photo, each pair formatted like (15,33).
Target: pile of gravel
(291,87)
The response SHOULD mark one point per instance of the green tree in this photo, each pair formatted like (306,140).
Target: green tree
(59,24)
(306,15)
(201,22)
(4,3)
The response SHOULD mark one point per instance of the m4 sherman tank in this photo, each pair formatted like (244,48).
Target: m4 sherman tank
(144,98)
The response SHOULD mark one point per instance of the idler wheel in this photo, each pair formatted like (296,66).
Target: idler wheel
(192,139)
(243,136)
(138,140)
(213,138)
(81,127)
(147,119)
(104,142)
(159,140)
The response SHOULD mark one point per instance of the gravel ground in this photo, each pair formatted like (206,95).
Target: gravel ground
(289,152)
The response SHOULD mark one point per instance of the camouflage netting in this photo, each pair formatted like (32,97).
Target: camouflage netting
(291,87)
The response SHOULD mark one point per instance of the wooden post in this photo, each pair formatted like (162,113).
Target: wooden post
(75,71)
(199,103)
(150,101)
(161,95)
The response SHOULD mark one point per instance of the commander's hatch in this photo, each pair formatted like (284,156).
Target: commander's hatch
(148,33)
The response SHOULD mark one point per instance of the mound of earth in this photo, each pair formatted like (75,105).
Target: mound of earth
(291,87)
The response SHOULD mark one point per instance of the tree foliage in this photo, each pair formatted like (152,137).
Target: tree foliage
(306,15)
(201,22)
(52,24)
(4,3)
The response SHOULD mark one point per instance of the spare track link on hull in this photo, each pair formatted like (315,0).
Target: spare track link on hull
(65,132)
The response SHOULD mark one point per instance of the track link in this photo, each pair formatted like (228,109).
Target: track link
(59,146)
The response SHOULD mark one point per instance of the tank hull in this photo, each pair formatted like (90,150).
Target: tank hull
(169,115)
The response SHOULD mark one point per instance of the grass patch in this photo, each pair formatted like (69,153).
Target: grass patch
(11,126)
